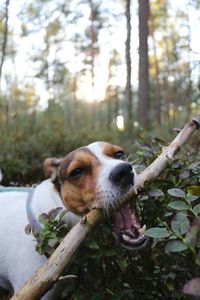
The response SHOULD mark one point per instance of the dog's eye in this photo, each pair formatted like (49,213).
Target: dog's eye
(119,155)
(76,173)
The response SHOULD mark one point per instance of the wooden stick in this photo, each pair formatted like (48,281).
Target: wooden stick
(48,274)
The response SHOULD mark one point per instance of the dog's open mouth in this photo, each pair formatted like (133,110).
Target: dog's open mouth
(127,229)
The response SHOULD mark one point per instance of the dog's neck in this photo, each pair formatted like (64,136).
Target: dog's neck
(46,198)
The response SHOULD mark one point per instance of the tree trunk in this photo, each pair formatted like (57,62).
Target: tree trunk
(117,106)
(187,99)
(144,100)
(92,63)
(108,96)
(5,38)
(166,88)
(75,107)
(3,55)
(157,72)
(128,64)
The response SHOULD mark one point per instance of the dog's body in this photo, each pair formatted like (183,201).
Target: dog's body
(18,257)
(93,176)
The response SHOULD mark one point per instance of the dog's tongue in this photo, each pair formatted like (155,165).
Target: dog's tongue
(127,229)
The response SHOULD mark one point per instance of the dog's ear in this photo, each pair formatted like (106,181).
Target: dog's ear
(50,167)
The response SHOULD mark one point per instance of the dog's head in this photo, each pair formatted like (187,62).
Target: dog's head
(98,176)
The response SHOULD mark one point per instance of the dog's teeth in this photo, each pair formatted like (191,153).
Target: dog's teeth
(142,230)
(126,238)
(132,241)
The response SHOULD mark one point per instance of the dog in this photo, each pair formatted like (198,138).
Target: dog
(95,176)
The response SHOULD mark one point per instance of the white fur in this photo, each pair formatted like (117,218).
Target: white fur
(105,190)
(46,198)
(18,258)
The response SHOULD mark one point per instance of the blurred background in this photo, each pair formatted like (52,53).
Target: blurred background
(76,71)
(128,72)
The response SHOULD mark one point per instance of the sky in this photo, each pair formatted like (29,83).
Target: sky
(25,69)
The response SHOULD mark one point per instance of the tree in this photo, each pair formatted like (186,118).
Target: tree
(111,94)
(92,49)
(5,37)
(157,69)
(128,63)
(144,100)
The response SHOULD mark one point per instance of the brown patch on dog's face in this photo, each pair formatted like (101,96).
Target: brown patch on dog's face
(112,150)
(78,174)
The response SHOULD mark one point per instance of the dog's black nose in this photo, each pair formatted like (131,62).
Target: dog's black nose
(122,174)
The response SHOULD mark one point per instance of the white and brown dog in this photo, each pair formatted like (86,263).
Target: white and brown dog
(97,175)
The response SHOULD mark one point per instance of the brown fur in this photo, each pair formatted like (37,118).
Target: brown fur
(78,194)
(110,150)
(50,165)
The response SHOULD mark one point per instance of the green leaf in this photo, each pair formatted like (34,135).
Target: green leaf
(123,263)
(156,193)
(53,242)
(192,235)
(176,165)
(43,218)
(184,175)
(53,213)
(168,214)
(196,209)
(175,246)
(178,193)
(160,141)
(51,236)
(194,190)
(93,245)
(178,205)
(144,198)
(110,252)
(157,233)
(194,165)
(180,223)
(63,213)
(191,197)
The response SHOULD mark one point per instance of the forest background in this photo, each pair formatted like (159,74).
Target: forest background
(76,71)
